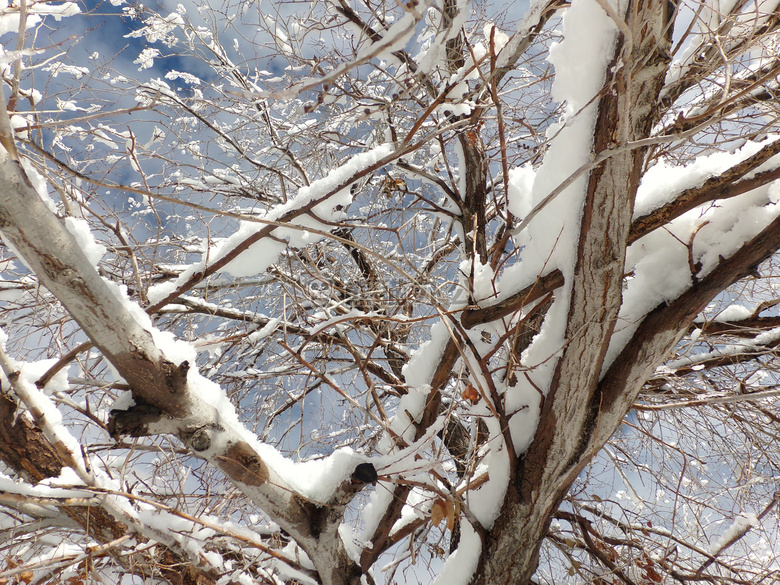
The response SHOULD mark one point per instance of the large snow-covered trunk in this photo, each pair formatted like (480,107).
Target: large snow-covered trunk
(484,291)
(598,376)
(563,442)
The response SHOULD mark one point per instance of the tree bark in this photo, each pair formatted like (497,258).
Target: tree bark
(563,441)
(26,450)
(164,400)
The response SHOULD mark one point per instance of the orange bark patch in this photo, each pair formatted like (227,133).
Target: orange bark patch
(241,463)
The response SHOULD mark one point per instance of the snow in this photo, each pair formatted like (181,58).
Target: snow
(499,38)
(742,523)
(56,68)
(39,183)
(460,565)
(265,331)
(187,77)
(46,488)
(664,181)
(36,399)
(50,418)
(325,198)
(485,502)
(159,29)
(257,258)
(522,425)
(58,11)
(378,502)
(432,54)
(660,261)
(9,15)
(521,182)
(419,370)
(314,480)
(550,241)
(757,343)
(580,62)
(407,461)
(145,59)
(739,220)
(394,39)
(708,23)
(86,241)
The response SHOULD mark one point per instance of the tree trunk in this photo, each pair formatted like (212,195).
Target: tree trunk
(564,439)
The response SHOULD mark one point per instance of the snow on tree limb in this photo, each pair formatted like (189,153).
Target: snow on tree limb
(165,401)
(424,290)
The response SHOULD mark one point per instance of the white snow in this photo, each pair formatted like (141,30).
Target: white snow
(159,29)
(86,241)
(39,183)
(419,370)
(580,62)
(660,261)
(56,68)
(188,77)
(733,313)
(460,565)
(9,14)
(521,182)
(323,196)
(145,59)
(316,479)
(757,343)
(34,398)
(664,181)
(257,258)
(742,523)
(45,489)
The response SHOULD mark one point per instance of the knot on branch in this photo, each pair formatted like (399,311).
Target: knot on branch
(201,437)
(241,463)
(176,376)
(133,421)
(364,473)
(200,440)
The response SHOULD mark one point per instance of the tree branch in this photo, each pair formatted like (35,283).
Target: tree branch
(724,186)
(56,258)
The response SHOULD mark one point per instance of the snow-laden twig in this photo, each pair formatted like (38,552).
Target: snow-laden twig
(711,400)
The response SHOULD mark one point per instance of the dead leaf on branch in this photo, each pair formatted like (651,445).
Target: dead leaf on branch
(471,394)
(443,509)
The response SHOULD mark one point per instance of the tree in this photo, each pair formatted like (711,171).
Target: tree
(367,292)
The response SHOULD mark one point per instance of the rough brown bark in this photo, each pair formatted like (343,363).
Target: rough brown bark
(543,285)
(26,450)
(562,441)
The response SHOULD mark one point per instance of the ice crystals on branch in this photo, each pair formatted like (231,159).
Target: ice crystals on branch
(57,67)
(145,59)
(187,77)
(9,16)
(159,29)
(322,200)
